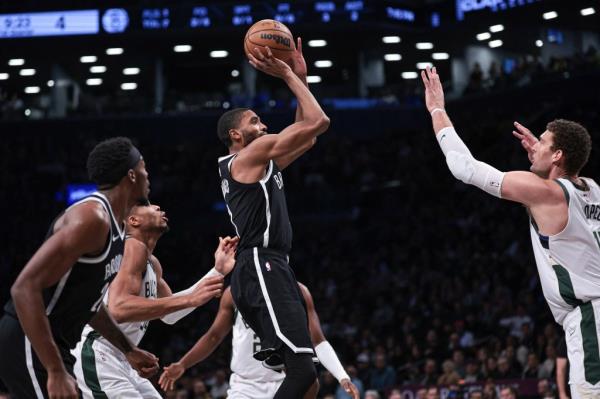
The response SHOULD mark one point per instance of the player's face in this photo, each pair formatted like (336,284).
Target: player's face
(251,127)
(543,155)
(149,217)
(142,183)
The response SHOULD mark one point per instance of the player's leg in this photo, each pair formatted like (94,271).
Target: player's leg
(241,388)
(143,385)
(313,391)
(300,374)
(24,375)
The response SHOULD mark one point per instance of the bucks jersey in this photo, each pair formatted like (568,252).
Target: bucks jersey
(74,300)
(133,330)
(569,262)
(245,343)
(258,211)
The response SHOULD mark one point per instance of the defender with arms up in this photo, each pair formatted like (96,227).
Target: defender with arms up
(263,285)
(565,223)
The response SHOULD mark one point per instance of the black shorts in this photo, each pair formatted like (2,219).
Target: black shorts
(20,369)
(266,293)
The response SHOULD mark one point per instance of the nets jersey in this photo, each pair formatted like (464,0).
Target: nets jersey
(133,330)
(245,343)
(72,302)
(569,262)
(258,211)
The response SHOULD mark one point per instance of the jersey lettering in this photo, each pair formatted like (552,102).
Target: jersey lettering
(592,211)
(278,179)
(150,289)
(112,267)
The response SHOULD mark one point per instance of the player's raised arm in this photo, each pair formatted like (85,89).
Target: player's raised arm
(299,134)
(126,305)
(83,231)
(524,187)
(205,345)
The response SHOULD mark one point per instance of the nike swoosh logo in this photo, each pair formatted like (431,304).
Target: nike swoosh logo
(442,138)
(115,238)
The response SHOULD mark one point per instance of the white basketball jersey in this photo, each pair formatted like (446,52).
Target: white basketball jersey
(569,262)
(133,330)
(244,344)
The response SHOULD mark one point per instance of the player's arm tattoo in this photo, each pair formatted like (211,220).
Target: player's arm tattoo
(107,327)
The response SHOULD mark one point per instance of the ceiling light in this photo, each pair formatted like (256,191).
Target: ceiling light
(182,48)
(93,82)
(392,57)
(409,75)
(98,69)
(235,73)
(587,11)
(88,59)
(495,43)
(131,71)
(32,89)
(27,72)
(539,43)
(4,76)
(496,28)
(391,39)
(323,63)
(313,79)
(423,65)
(50,83)
(483,36)
(550,15)
(114,51)
(16,62)
(424,46)
(219,53)
(440,56)
(317,43)
(129,86)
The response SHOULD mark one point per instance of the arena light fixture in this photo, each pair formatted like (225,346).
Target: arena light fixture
(550,15)
(317,43)
(219,53)
(323,63)
(50,83)
(235,73)
(424,46)
(182,48)
(410,75)
(98,69)
(16,62)
(88,59)
(131,71)
(483,36)
(27,112)
(423,65)
(539,43)
(4,76)
(495,43)
(440,56)
(93,82)
(587,11)
(392,57)
(32,89)
(129,86)
(391,39)
(114,51)
(496,28)
(313,79)
(27,72)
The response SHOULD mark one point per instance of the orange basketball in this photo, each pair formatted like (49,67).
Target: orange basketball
(272,34)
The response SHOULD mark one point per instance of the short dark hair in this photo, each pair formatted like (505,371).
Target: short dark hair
(109,161)
(574,141)
(229,120)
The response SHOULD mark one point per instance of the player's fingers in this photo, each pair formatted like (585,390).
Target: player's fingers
(299,45)
(269,53)
(259,54)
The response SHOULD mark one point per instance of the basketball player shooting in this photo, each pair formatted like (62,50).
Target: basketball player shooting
(263,285)
(564,210)
(139,294)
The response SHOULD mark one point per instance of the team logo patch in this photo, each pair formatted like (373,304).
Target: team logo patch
(268,266)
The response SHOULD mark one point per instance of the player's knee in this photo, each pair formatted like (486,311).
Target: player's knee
(307,374)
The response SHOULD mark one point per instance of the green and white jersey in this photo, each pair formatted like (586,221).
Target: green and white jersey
(569,262)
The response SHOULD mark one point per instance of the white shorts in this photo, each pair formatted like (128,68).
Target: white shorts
(581,332)
(240,388)
(102,369)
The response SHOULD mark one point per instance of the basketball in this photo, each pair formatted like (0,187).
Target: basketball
(272,34)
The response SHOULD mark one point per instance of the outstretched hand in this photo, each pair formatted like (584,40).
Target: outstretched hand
(170,375)
(225,254)
(528,140)
(434,92)
(297,61)
(350,388)
(266,62)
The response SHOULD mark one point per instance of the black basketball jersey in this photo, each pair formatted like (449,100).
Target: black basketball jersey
(258,211)
(72,302)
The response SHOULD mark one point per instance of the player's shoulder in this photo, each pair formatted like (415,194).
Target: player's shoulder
(88,215)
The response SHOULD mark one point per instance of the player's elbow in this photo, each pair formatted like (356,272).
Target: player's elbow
(318,125)
(119,312)
(21,288)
